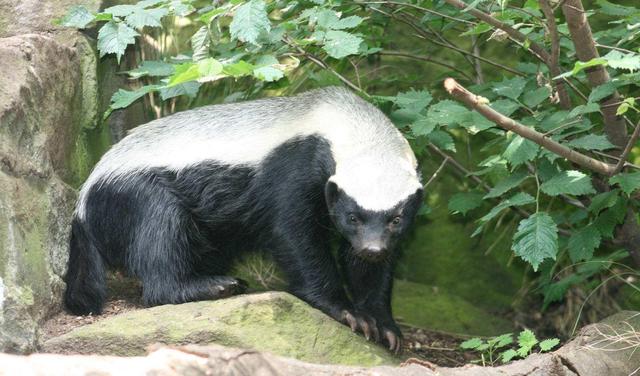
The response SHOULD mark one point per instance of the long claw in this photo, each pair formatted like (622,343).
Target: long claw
(391,338)
(366,330)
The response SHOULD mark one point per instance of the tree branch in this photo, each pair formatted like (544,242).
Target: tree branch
(627,150)
(586,50)
(553,61)
(426,59)
(480,105)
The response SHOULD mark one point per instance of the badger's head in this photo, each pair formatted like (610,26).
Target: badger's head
(373,206)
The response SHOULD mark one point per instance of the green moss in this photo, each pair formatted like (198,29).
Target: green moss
(438,309)
(273,322)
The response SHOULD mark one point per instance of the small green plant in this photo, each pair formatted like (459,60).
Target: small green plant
(505,349)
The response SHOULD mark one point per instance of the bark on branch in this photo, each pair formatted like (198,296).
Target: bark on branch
(480,104)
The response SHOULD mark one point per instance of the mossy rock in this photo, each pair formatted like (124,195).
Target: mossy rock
(275,322)
(437,309)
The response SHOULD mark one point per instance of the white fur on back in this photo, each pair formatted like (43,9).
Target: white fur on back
(374,163)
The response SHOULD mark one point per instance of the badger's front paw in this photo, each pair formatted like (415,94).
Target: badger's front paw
(392,335)
(361,322)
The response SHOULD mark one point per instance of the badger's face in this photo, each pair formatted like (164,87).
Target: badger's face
(373,234)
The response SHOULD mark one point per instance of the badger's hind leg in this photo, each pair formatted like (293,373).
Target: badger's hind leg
(166,251)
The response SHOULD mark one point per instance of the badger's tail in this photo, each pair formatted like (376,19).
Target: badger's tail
(86,288)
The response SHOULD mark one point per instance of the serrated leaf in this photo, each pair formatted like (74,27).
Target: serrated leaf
(347,23)
(591,142)
(548,344)
(508,355)
(203,71)
(447,112)
(526,341)
(535,97)
(121,10)
(507,184)
(200,43)
(519,199)
(422,127)
(536,239)
(580,65)
(181,9)
(583,242)
(520,150)
(463,202)
(442,140)
(339,44)
(238,69)
(584,109)
(472,343)
(209,70)
(249,21)
(413,100)
(615,9)
(146,17)
(268,74)
(123,98)
(568,182)
(603,201)
(78,17)
(510,88)
(618,60)
(113,38)
(474,122)
(504,106)
(153,68)
(190,89)
(603,91)
(629,182)
(606,222)
(501,341)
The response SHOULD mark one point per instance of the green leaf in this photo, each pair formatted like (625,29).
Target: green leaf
(189,89)
(526,341)
(510,88)
(153,68)
(422,127)
(181,9)
(579,66)
(535,97)
(239,69)
(480,28)
(508,355)
(606,222)
(519,199)
(603,201)
(615,9)
(507,184)
(505,106)
(413,100)
(123,98)
(471,344)
(442,140)
(568,182)
(583,242)
(548,344)
(268,74)
(121,10)
(520,150)
(78,17)
(536,239)
(448,112)
(339,44)
(474,122)
(618,60)
(501,341)
(603,91)
(584,109)
(113,38)
(591,142)
(146,17)
(463,202)
(249,21)
(629,182)
(203,71)
(348,22)
(200,43)
(209,69)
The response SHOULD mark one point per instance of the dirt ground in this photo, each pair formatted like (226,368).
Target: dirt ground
(438,348)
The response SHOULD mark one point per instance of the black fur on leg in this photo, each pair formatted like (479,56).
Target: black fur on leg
(85,279)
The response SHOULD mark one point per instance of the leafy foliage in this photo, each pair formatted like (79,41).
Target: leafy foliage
(505,349)
(536,239)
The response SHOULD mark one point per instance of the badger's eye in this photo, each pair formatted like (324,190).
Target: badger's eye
(353,219)
(396,220)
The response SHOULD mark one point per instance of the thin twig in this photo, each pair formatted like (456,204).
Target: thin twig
(426,10)
(426,59)
(435,174)
(627,150)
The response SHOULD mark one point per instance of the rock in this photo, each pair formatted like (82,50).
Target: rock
(29,16)
(596,350)
(42,148)
(275,322)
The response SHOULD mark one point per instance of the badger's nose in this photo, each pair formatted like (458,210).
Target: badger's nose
(374,252)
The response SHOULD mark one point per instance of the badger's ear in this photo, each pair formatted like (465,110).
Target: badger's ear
(331,193)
